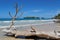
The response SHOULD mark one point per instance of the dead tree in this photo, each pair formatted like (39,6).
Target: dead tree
(15,16)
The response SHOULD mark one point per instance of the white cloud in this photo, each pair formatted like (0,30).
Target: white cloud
(36,10)
(58,11)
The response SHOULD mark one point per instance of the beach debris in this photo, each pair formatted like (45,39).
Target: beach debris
(33,29)
(56,20)
(15,16)
(12,27)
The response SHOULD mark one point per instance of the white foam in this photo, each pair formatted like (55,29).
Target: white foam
(26,23)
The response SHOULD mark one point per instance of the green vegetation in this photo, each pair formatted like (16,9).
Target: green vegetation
(31,17)
(42,18)
(57,16)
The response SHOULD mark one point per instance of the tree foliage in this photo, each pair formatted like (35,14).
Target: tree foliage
(32,17)
(57,16)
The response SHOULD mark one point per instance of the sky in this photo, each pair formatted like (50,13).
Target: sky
(38,8)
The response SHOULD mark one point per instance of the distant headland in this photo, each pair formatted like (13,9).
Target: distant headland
(25,18)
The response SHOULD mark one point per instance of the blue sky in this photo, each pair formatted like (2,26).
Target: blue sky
(39,8)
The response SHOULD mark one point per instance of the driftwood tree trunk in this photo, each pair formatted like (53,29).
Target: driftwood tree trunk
(15,16)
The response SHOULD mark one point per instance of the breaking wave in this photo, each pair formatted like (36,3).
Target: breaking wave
(20,23)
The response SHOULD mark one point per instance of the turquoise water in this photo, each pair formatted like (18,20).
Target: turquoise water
(9,19)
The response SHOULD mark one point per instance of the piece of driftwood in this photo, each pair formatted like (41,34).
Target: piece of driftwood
(25,33)
(15,16)
(33,33)
(12,28)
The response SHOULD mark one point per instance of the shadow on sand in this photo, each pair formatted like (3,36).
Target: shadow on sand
(32,37)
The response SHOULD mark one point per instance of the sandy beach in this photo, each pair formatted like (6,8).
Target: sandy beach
(29,19)
(4,37)
(44,27)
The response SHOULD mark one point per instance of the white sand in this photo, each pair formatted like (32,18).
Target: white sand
(3,37)
(46,27)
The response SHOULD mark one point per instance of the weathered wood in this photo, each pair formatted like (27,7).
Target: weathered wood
(15,16)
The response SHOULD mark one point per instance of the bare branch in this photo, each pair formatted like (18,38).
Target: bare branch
(10,14)
(14,17)
(20,15)
(33,29)
(12,23)
(16,10)
(20,8)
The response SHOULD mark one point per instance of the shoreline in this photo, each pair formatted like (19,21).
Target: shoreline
(28,23)
(43,27)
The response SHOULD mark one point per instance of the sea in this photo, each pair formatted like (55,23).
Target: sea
(26,24)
